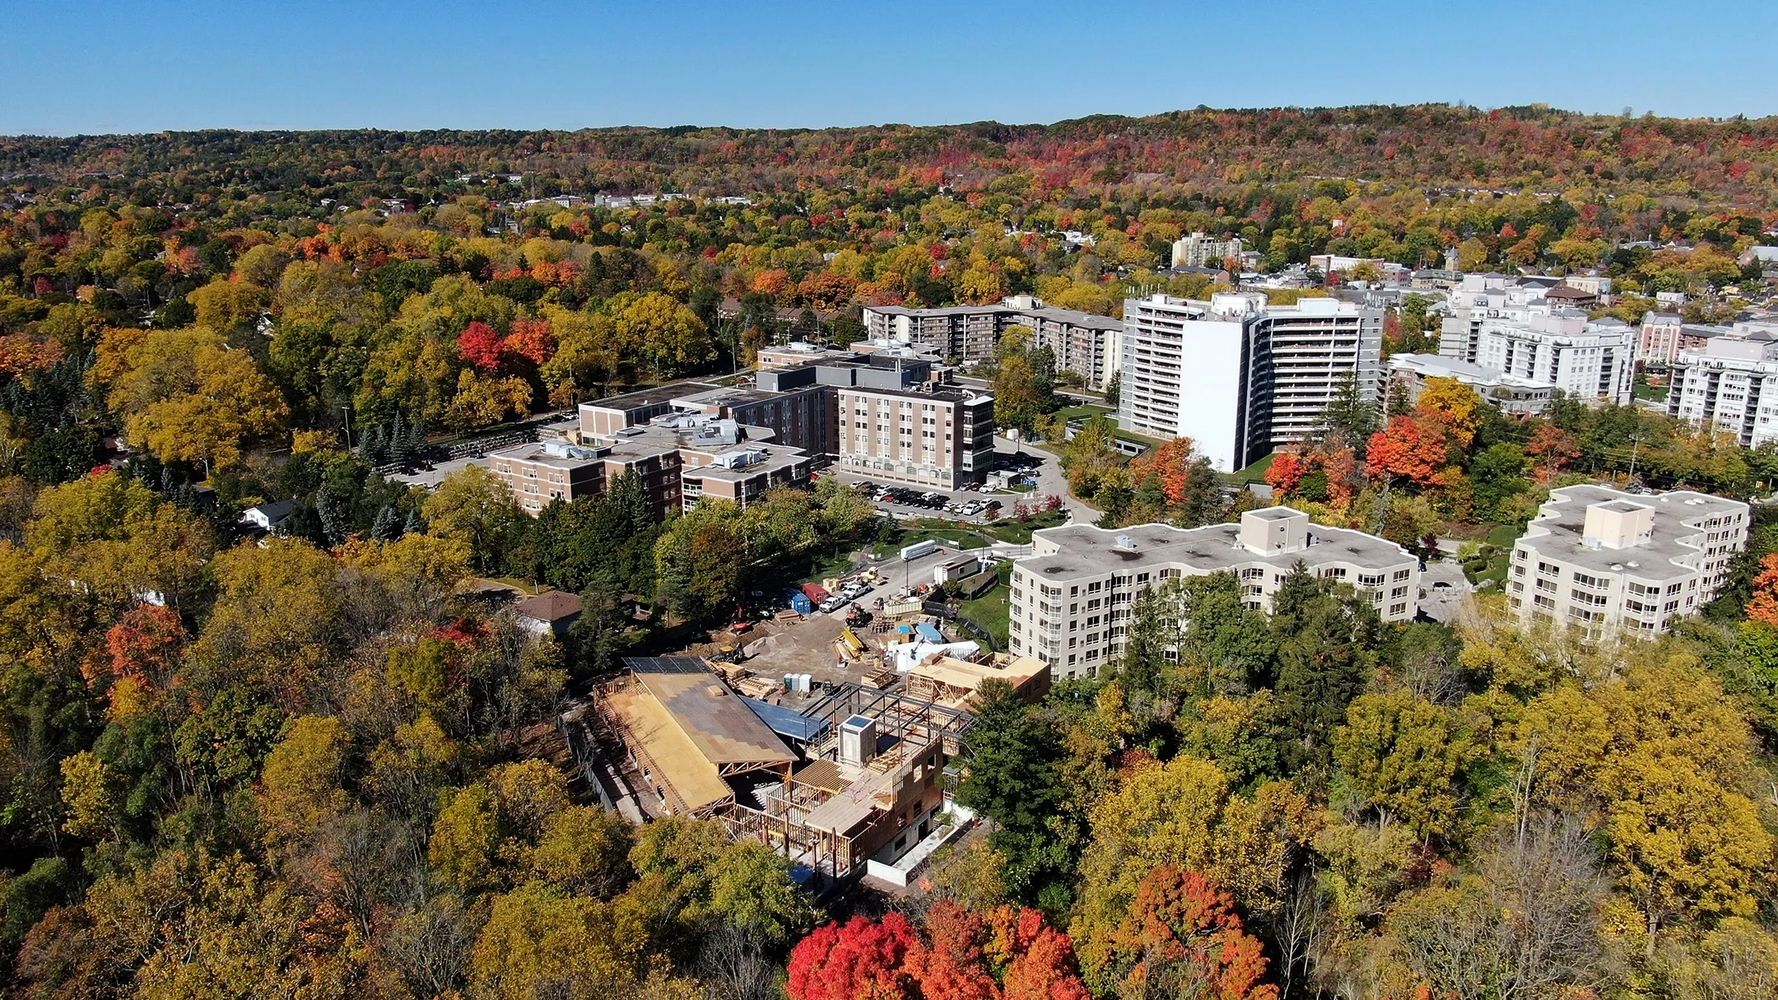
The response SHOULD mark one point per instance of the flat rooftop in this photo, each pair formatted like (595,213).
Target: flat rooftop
(953,395)
(1436,366)
(1559,530)
(775,458)
(1087,551)
(644,398)
(536,454)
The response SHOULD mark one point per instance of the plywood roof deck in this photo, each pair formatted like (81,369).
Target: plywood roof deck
(694,785)
(717,723)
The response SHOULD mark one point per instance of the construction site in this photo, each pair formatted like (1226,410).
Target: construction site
(842,778)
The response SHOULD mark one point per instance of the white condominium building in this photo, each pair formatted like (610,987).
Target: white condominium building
(1594,360)
(1603,560)
(1731,383)
(1072,598)
(1198,250)
(1510,393)
(1239,377)
(1479,298)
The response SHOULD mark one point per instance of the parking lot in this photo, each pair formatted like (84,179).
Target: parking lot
(970,505)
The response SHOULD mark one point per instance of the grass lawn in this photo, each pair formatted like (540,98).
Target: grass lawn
(834,564)
(1644,389)
(1019,532)
(970,537)
(1496,569)
(525,587)
(918,531)
(1503,535)
(1084,410)
(1255,473)
(992,609)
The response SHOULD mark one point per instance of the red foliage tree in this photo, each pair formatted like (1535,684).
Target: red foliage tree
(1406,447)
(1182,937)
(481,345)
(860,958)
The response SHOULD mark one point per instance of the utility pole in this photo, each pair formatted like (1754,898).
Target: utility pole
(1635,446)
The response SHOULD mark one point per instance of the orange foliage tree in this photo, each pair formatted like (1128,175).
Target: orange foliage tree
(1287,470)
(1172,464)
(1552,448)
(1407,447)
(145,644)
(948,963)
(531,339)
(1182,937)
(1763,605)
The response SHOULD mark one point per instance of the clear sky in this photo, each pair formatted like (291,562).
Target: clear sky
(87,66)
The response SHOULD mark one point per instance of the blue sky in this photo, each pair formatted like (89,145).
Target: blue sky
(78,66)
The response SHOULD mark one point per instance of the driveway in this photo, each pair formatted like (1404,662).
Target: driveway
(1050,478)
(1443,590)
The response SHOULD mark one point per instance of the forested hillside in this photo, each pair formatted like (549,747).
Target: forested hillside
(322,766)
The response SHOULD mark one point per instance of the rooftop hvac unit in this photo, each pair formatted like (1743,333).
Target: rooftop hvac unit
(858,740)
(1126,543)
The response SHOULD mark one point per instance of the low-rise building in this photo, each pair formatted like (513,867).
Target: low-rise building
(540,472)
(834,783)
(552,612)
(885,415)
(1607,561)
(678,458)
(1510,393)
(1073,597)
(942,438)
(1663,336)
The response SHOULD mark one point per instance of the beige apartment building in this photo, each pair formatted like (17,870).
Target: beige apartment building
(537,473)
(680,458)
(1083,343)
(1072,598)
(1607,561)
(942,438)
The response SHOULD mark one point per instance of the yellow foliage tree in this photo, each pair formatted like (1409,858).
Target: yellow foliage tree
(186,397)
